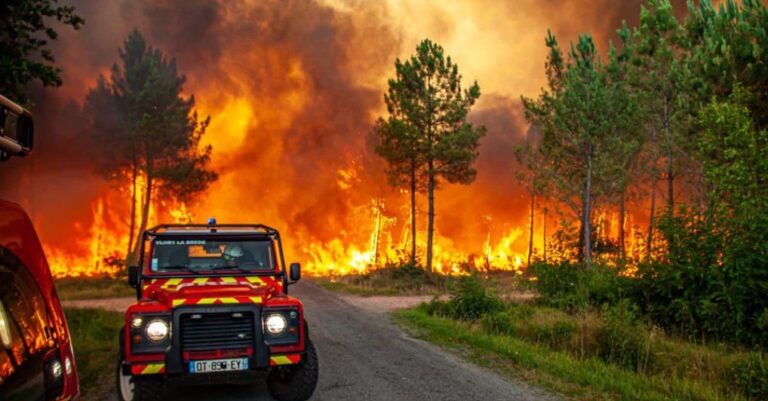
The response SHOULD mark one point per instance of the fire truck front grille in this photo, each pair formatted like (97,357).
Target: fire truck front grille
(212,331)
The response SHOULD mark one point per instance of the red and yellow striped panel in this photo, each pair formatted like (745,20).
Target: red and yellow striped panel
(217,301)
(174,284)
(277,360)
(152,368)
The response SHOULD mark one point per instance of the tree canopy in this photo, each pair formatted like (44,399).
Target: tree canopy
(149,130)
(427,138)
(25,30)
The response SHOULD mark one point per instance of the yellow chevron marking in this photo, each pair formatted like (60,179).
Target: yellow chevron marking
(177,302)
(206,301)
(200,280)
(255,280)
(153,368)
(172,282)
(256,300)
(229,280)
(229,300)
(281,360)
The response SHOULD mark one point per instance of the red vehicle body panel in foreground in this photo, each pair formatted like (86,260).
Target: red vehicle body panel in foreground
(18,236)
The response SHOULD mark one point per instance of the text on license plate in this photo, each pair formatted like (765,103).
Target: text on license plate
(218,365)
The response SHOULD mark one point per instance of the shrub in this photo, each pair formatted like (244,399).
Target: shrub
(571,286)
(558,335)
(750,375)
(499,323)
(544,326)
(470,300)
(622,340)
(437,307)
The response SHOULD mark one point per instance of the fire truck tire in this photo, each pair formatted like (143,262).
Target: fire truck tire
(133,388)
(297,382)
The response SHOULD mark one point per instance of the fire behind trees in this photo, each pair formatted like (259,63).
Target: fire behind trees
(149,133)
(681,103)
(426,137)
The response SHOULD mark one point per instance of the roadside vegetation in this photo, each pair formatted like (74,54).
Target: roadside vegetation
(586,350)
(405,279)
(74,288)
(672,123)
(94,337)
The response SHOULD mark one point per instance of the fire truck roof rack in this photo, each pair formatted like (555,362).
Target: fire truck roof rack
(239,228)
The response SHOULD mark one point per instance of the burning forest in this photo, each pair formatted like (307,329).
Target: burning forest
(292,90)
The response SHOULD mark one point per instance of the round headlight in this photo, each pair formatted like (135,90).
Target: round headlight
(56,368)
(157,330)
(276,324)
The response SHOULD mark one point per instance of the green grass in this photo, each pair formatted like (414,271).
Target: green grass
(93,288)
(580,379)
(343,286)
(94,337)
(388,281)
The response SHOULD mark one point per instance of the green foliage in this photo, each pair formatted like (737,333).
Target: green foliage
(586,119)
(750,375)
(623,341)
(95,342)
(94,288)
(469,300)
(571,286)
(540,326)
(396,278)
(24,36)
(426,137)
(576,375)
(712,281)
(695,92)
(148,129)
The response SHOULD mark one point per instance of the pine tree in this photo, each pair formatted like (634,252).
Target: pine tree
(582,117)
(430,106)
(24,35)
(149,129)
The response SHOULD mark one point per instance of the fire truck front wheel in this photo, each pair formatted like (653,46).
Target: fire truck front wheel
(136,388)
(296,382)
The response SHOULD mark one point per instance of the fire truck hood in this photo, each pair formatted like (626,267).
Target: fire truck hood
(178,291)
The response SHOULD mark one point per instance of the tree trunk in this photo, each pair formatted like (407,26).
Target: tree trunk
(530,233)
(651,221)
(431,216)
(544,233)
(670,172)
(622,217)
(132,225)
(585,222)
(670,185)
(145,207)
(413,211)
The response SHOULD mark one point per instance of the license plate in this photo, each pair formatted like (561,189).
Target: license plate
(218,365)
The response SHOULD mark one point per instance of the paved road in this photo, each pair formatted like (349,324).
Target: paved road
(363,356)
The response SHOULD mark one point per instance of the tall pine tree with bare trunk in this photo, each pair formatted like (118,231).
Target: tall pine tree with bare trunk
(151,132)
(428,127)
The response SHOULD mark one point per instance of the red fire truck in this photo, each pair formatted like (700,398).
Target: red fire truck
(213,304)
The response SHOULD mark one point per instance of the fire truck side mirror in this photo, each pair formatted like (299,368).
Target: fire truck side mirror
(16,130)
(133,276)
(295,273)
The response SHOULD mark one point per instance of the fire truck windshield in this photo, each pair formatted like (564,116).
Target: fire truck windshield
(201,255)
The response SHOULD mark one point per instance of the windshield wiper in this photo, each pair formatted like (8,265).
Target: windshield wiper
(235,267)
(182,268)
